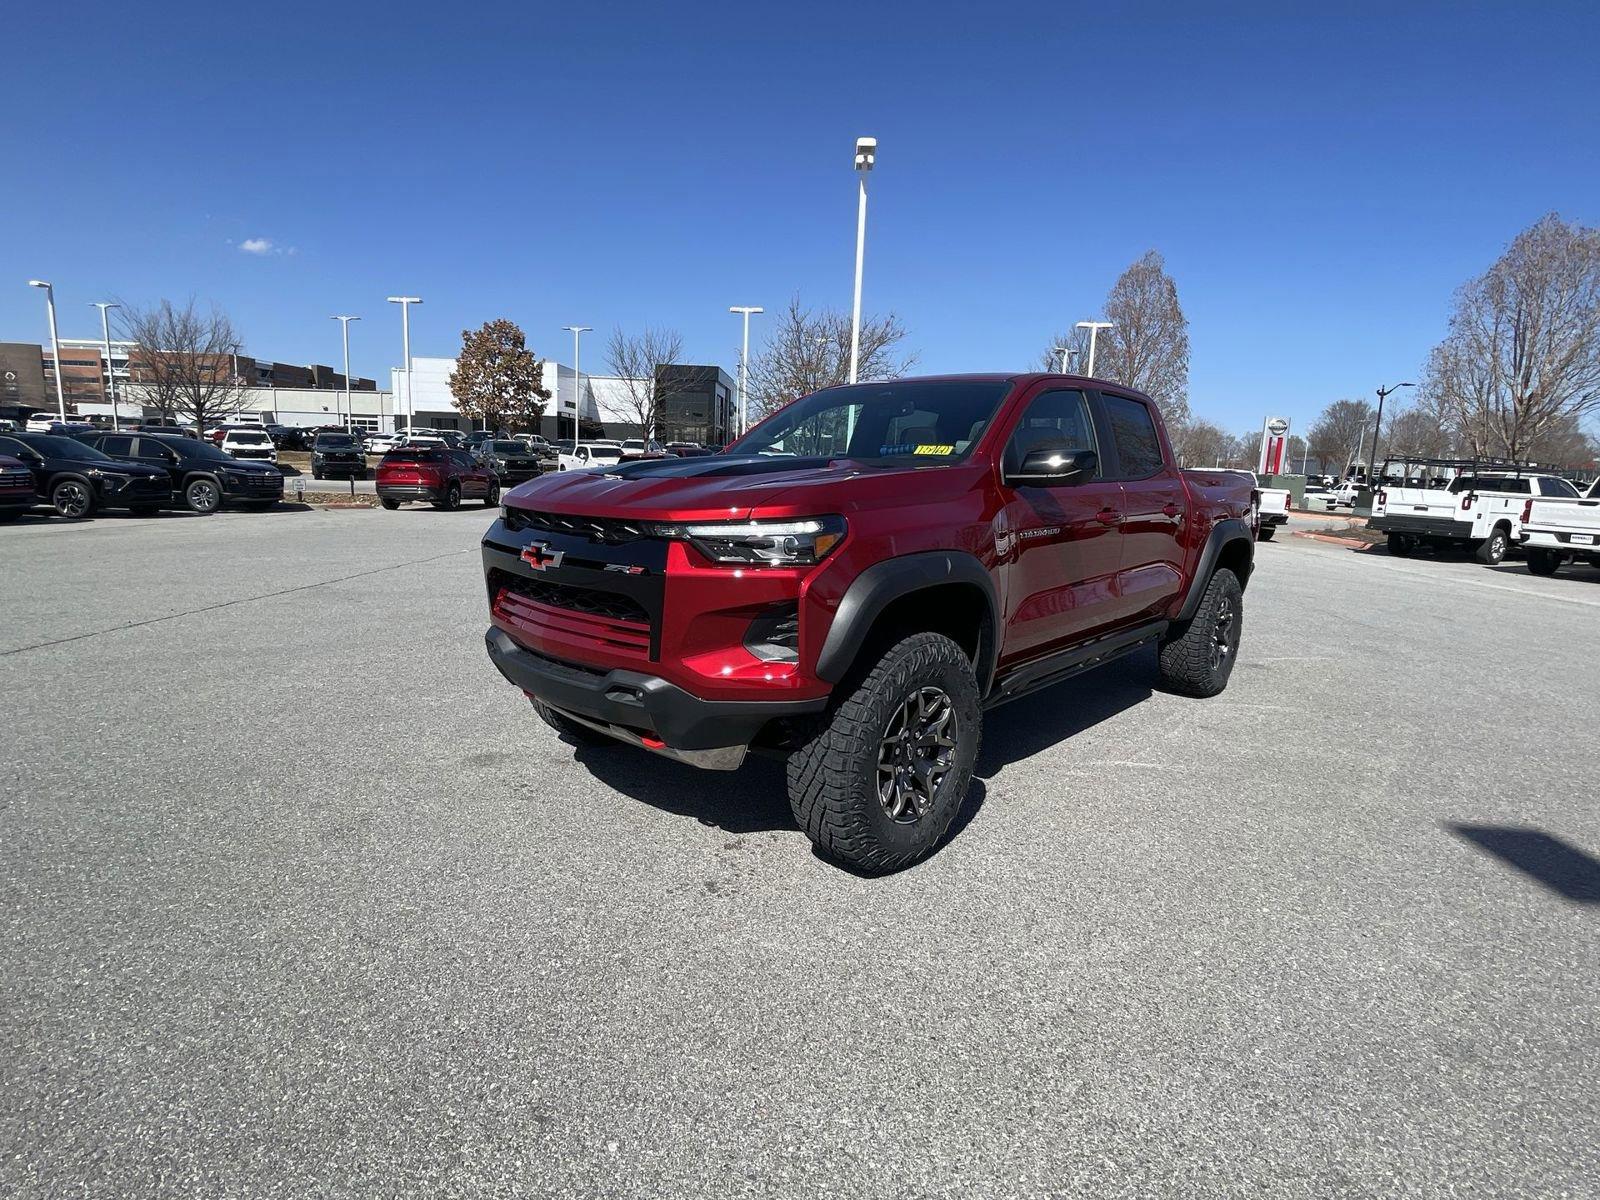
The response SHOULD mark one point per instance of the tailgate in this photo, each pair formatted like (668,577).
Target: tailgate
(1416,502)
(1580,517)
(1274,500)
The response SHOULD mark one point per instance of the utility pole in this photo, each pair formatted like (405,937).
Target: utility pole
(111,375)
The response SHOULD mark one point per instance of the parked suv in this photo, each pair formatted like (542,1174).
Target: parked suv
(77,479)
(17,493)
(337,455)
(853,582)
(437,474)
(250,443)
(202,478)
(510,459)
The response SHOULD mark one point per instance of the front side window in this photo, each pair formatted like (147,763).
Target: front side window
(903,423)
(1055,420)
(1134,434)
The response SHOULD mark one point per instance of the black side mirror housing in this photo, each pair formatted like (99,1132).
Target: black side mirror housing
(1046,467)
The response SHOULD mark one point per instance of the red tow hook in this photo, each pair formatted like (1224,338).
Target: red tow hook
(654,743)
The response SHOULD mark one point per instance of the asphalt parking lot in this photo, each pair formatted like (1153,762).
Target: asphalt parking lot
(301,900)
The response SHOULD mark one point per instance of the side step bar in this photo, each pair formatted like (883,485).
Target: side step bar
(1030,677)
(720,758)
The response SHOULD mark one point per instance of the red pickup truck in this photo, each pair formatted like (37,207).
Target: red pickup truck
(857,579)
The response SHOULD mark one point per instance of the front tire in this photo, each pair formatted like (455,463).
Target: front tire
(1493,548)
(1198,659)
(203,496)
(1544,562)
(879,783)
(73,499)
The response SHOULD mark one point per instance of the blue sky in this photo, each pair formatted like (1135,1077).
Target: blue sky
(1319,177)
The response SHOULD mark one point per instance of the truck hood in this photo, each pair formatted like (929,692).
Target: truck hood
(717,487)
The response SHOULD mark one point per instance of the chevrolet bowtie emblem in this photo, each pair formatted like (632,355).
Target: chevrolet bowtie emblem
(539,556)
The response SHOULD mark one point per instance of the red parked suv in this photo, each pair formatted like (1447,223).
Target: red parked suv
(437,474)
(857,579)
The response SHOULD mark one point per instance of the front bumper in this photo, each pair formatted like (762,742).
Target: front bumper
(339,466)
(628,704)
(1441,527)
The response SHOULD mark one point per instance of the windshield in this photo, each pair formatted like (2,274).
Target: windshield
(916,421)
(334,441)
(604,452)
(247,439)
(509,448)
(51,446)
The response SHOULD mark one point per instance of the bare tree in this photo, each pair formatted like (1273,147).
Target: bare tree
(1420,431)
(185,363)
(1076,343)
(1564,444)
(1336,436)
(1200,444)
(633,359)
(1523,351)
(810,350)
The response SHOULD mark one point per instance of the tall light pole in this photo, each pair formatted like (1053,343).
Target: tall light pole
(111,376)
(405,303)
(349,399)
(866,157)
(55,342)
(577,332)
(744,366)
(1063,351)
(1377,426)
(1094,328)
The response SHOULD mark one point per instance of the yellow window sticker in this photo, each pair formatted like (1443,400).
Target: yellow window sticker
(934,450)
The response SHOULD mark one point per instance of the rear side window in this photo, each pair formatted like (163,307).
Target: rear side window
(1557,487)
(1134,434)
(117,445)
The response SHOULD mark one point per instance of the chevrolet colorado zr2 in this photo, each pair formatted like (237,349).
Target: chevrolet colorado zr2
(852,583)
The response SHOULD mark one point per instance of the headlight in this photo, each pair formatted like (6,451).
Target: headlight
(108,480)
(761,543)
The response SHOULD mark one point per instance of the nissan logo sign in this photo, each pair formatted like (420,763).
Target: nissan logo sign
(1277,426)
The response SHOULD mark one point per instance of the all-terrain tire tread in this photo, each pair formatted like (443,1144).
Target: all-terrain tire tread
(1186,658)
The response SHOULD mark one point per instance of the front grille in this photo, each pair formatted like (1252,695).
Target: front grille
(557,611)
(588,601)
(609,531)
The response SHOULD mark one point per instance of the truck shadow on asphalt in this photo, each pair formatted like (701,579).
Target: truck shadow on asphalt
(753,798)
(1549,861)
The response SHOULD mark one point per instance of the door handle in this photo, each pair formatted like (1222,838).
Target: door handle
(1171,510)
(1108,516)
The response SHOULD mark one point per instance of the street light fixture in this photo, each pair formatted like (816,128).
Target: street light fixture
(349,398)
(405,303)
(577,332)
(1066,354)
(866,159)
(111,376)
(1094,328)
(1383,394)
(55,342)
(744,366)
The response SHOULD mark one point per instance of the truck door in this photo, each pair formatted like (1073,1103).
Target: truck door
(1154,508)
(1058,546)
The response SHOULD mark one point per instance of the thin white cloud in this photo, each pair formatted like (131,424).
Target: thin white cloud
(256,245)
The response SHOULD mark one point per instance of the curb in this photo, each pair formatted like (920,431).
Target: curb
(1352,543)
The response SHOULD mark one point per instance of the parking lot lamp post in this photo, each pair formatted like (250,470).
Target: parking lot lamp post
(111,377)
(1094,328)
(1383,393)
(55,342)
(577,332)
(1063,351)
(744,367)
(866,158)
(405,303)
(349,399)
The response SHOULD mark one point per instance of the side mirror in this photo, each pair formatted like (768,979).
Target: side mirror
(1046,467)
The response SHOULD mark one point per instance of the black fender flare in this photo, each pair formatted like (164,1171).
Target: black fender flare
(882,583)
(1223,533)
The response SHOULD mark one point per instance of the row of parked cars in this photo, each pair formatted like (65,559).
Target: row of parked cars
(141,472)
(1490,512)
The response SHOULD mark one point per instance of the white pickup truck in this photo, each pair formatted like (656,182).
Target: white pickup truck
(1481,511)
(1558,528)
(1272,508)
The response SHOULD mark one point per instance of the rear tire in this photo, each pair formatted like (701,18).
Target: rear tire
(570,729)
(452,498)
(388,503)
(1401,545)
(1198,659)
(1266,533)
(1493,548)
(1544,562)
(887,770)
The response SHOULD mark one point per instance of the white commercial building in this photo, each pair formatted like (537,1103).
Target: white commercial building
(603,400)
